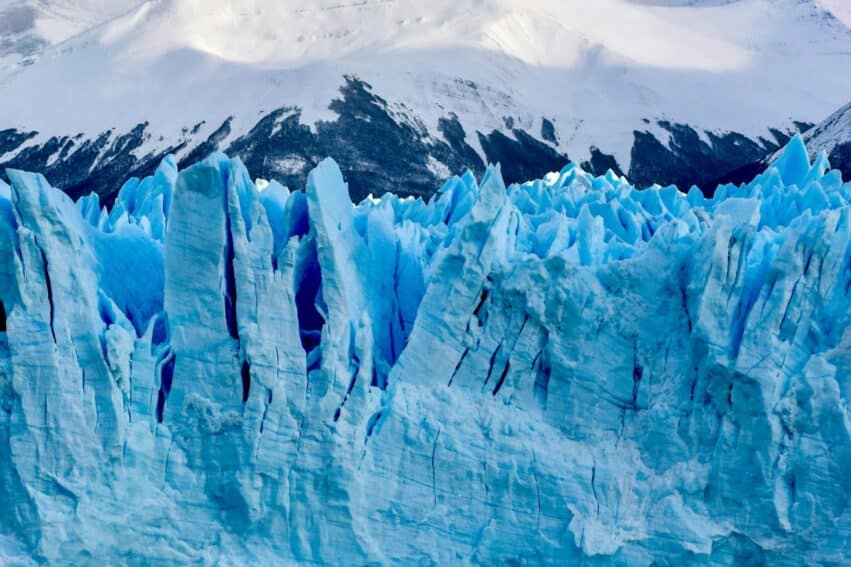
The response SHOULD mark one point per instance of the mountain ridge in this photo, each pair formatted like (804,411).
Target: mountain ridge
(641,87)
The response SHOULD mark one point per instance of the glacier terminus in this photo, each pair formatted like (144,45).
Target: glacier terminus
(217,370)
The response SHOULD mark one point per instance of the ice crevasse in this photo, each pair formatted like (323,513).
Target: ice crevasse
(572,370)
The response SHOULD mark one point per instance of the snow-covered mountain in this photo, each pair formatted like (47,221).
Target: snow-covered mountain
(666,91)
(29,27)
(833,137)
(566,372)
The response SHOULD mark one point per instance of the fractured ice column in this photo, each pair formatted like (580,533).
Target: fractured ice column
(566,371)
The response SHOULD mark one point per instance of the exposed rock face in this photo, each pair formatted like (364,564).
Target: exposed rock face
(568,370)
(380,149)
(833,136)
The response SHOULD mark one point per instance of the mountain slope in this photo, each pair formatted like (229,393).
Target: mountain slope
(28,27)
(668,93)
(833,137)
(839,9)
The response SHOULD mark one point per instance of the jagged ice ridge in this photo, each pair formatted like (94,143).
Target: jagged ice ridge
(221,371)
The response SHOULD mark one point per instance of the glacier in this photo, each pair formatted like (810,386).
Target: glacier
(218,370)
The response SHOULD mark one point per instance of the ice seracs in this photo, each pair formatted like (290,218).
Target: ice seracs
(568,370)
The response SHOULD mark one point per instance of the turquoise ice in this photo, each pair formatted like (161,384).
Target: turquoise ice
(222,371)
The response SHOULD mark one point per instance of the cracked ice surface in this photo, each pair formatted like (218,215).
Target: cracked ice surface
(566,370)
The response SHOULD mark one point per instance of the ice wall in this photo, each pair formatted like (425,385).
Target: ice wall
(569,370)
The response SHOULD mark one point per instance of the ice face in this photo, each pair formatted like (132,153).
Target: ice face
(569,370)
